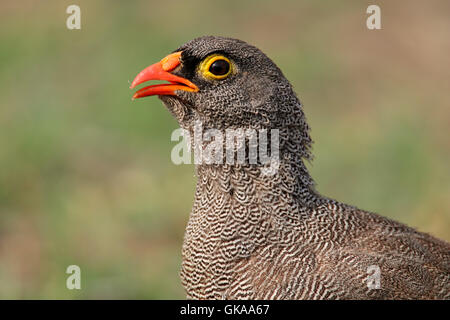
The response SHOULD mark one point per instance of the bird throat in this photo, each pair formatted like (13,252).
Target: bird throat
(238,209)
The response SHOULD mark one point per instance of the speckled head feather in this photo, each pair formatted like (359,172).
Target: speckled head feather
(256,95)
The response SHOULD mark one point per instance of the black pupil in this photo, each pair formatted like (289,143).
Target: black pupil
(219,67)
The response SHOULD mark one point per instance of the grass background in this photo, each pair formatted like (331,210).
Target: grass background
(86,176)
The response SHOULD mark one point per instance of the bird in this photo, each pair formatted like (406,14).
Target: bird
(253,235)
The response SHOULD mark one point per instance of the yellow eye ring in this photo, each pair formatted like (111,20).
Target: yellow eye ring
(222,65)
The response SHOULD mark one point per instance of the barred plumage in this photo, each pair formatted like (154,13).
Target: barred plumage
(253,236)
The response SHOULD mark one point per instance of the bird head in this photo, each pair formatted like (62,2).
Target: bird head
(224,83)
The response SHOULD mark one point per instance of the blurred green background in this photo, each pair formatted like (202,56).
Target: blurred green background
(86,176)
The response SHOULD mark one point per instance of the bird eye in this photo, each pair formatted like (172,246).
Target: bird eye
(216,67)
(219,67)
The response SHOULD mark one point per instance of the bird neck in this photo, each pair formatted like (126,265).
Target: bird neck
(288,179)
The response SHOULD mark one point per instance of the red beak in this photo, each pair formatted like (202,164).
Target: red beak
(161,71)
